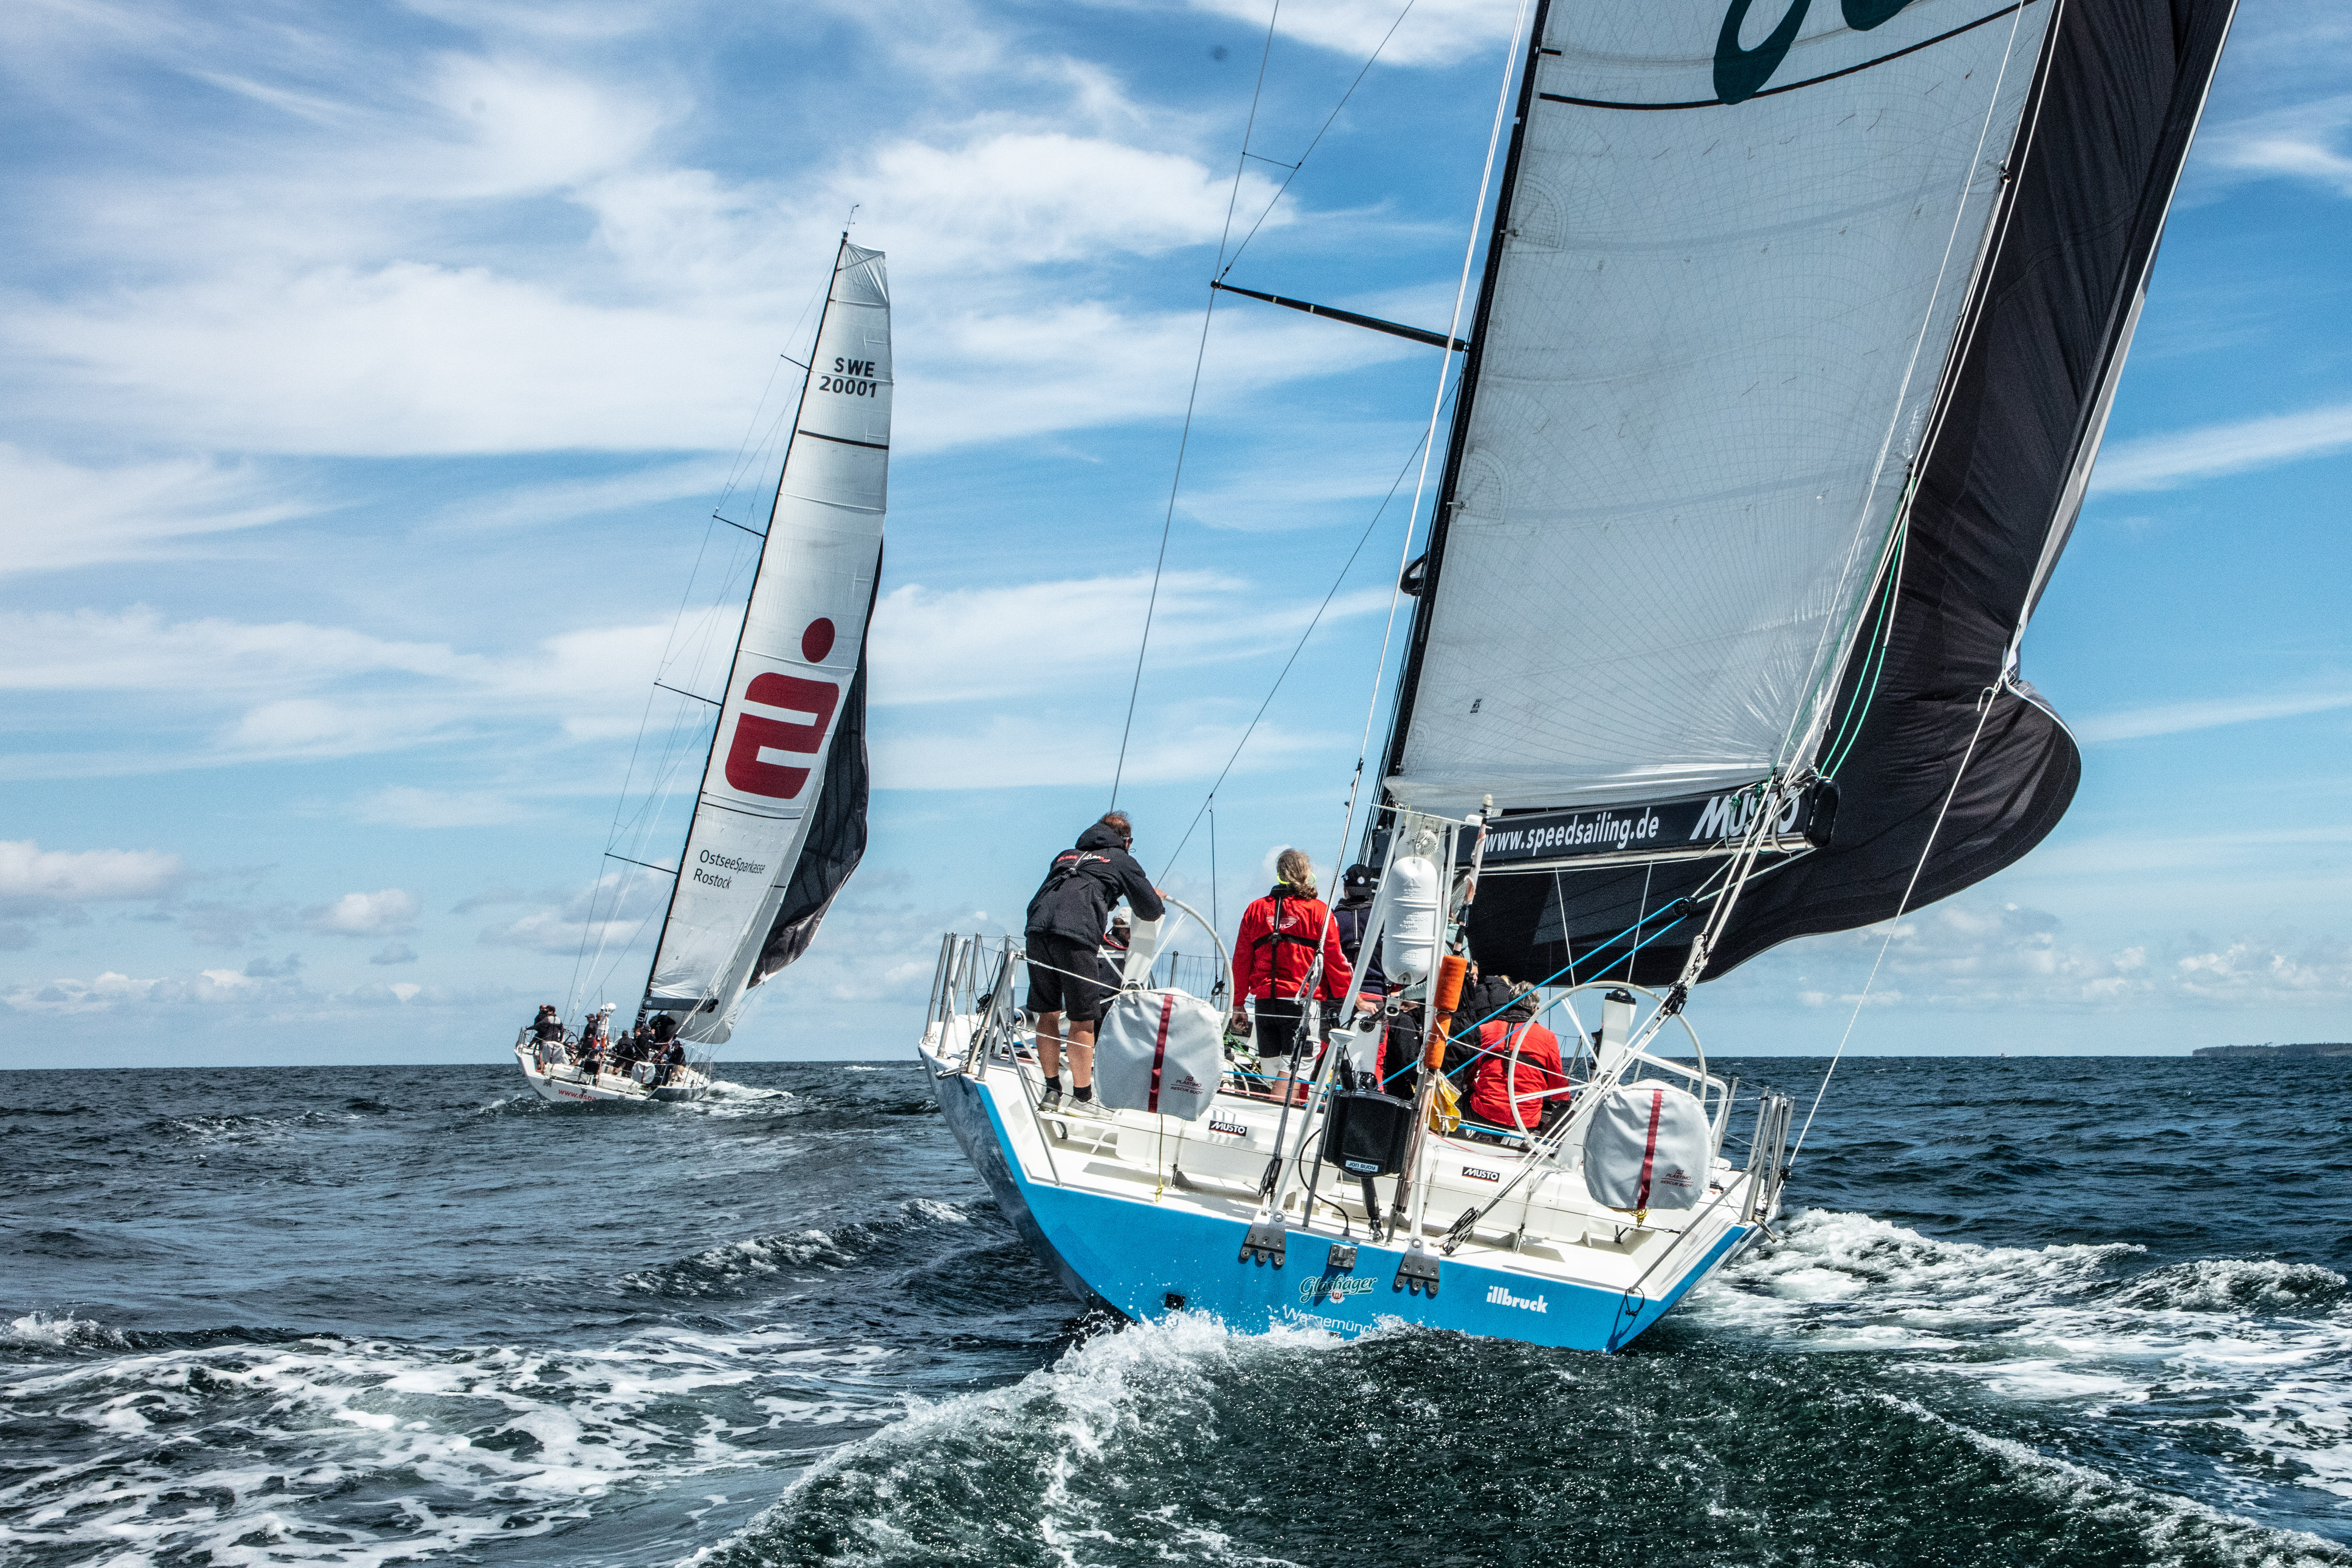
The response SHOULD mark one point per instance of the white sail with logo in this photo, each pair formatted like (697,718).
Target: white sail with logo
(768,849)
(1737,251)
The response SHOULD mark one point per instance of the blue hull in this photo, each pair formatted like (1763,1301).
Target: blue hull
(1143,1260)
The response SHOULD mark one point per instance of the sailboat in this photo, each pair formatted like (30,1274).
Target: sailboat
(778,821)
(1798,328)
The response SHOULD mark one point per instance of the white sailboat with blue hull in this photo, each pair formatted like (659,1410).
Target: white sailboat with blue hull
(1796,338)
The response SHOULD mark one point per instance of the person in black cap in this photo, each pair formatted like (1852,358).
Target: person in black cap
(1064,939)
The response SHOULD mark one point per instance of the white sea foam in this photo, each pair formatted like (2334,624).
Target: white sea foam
(334,1450)
(2256,1346)
(1116,1404)
(44,1331)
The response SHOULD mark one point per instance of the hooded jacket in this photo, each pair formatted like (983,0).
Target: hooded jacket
(1084,881)
(1272,961)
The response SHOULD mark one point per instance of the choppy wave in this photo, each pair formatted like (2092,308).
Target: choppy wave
(784,1326)
(1070,1464)
(2241,1365)
(326,1449)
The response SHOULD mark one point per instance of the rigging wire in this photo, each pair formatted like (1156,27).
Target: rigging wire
(1297,648)
(1984,712)
(1191,398)
(1224,263)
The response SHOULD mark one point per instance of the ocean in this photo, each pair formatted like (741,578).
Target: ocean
(2063,1311)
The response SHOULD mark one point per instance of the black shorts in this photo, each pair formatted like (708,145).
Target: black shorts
(1276,1034)
(1065,977)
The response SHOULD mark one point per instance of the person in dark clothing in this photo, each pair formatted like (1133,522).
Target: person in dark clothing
(547,1027)
(667,1059)
(1064,938)
(1349,916)
(662,1029)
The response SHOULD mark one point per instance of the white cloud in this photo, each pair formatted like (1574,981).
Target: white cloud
(2178,717)
(111,990)
(55,515)
(2301,141)
(294,689)
(614,915)
(364,914)
(1975,954)
(37,880)
(1437,33)
(2164,462)
(964,645)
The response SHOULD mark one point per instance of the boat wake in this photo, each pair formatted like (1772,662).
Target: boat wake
(328,1449)
(2235,1371)
(1297,1443)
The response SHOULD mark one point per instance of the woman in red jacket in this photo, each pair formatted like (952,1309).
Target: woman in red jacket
(1514,1096)
(1281,935)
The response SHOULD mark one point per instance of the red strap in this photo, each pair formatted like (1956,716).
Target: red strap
(1650,1152)
(1160,1050)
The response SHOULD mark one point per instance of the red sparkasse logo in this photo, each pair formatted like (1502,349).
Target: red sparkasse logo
(747,769)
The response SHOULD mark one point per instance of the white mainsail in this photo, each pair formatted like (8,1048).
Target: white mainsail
(794,668)
(1738,248)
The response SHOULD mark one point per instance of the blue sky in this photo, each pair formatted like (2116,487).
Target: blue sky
(371,375)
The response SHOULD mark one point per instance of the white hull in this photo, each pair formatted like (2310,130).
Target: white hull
(570,1086)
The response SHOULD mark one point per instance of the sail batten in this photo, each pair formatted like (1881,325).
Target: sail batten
(780,819)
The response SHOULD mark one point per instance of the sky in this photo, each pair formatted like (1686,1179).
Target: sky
(372,375)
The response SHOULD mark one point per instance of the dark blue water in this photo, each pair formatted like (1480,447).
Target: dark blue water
(2065,1313)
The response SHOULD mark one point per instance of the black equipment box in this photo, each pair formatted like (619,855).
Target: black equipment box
(1366,1134)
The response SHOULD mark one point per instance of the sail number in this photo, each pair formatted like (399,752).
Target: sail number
(849,376)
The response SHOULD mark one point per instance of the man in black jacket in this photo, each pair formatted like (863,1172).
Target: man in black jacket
(1064,940)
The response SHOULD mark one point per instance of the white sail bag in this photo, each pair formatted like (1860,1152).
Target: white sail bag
(1158,1051)
(1647,1148)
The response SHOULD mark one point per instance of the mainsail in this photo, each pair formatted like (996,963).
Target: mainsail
(780,822)
(1799,329)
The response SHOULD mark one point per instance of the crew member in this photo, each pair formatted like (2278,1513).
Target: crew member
(1282,936)
(1064,938)
(1352,915)
(1516,1095)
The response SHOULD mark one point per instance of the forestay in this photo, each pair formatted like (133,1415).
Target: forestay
(781,818)
(1736,251)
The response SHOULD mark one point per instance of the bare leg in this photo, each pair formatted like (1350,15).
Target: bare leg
(1082,1056)
(1049,1044)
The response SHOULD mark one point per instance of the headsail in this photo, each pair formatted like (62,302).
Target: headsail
(1798,335)
(780,819)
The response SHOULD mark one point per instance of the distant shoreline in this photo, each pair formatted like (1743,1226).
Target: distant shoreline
(2326,1048)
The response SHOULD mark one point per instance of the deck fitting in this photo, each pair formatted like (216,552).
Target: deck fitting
(1264,1242)
(1416,1272)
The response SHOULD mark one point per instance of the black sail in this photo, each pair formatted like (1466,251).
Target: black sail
(1991,441)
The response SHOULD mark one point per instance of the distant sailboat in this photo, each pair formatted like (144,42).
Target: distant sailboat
(779,820)
(1797,338)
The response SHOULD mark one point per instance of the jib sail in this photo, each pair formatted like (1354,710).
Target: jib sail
(780,820)
(1799,329)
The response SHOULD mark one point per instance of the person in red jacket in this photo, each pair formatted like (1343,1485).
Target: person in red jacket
(1281,935)
(1514,1096)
